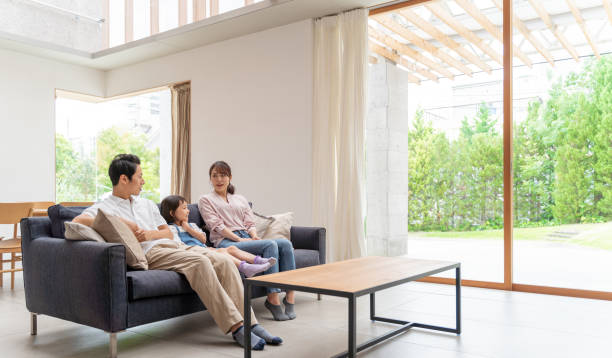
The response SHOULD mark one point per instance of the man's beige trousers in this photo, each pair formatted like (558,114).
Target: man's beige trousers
(213,276)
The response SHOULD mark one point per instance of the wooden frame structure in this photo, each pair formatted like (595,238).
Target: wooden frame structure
(394,50)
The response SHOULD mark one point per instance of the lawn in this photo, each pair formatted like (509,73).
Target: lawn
(592,235)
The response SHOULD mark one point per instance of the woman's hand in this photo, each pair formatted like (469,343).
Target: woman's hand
(241,240)
(256,237)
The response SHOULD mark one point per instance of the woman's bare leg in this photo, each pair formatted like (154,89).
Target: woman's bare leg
(240,255)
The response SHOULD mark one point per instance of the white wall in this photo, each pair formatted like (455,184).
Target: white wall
(27,121)
(251,106)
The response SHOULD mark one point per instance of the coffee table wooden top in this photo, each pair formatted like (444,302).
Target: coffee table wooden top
(358,275)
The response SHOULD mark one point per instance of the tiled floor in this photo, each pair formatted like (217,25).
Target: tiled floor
(495,324)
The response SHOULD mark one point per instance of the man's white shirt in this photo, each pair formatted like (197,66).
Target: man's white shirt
(143,212)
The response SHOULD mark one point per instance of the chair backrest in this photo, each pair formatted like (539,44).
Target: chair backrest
(76,203)
(11,213)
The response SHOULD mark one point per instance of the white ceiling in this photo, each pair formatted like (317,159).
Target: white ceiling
(250,19)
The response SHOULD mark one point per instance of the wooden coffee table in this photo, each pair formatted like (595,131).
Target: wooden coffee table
(354,278)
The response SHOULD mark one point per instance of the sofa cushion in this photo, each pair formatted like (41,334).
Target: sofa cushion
(76,231)
(155,283)
(59,214)
(306,258)
(114,230)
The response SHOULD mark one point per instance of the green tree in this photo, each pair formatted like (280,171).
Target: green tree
(113,141)
(74,175)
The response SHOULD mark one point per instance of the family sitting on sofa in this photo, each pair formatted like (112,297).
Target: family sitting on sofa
(169,242)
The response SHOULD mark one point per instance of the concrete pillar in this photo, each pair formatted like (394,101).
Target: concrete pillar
(387,160)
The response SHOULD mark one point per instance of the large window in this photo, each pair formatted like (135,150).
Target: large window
(89,134)
(507,168)
(563,149)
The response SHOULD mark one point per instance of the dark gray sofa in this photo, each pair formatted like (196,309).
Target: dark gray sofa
(89,282)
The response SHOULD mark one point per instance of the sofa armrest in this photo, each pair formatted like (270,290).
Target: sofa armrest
(80,281)
(309,238)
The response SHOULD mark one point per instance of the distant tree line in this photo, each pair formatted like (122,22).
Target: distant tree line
(562,162)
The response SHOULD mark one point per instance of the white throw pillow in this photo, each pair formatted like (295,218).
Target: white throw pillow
(76,231)
(280,227)
(262,223)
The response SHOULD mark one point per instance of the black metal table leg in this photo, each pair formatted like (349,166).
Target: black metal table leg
(372,305)
(458,298)
(352,328)
(247,319)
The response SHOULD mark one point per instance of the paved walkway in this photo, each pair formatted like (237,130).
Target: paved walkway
(543,262)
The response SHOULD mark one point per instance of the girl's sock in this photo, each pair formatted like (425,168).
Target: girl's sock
(263,260)
(249,270)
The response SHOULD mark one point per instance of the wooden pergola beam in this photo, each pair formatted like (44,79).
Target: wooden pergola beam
(420,42)
(475,13)
(399,48)
(580,21)
(466,33)
(606,4)
(415,55)
(518,23)
(392,57)
(444,39)
(553,28)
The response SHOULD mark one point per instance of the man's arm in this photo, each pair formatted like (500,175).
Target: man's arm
(162,232)
(84,219)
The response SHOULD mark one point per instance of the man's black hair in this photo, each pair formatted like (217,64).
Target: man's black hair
(123,164)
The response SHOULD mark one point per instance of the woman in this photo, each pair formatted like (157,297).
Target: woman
(230,221)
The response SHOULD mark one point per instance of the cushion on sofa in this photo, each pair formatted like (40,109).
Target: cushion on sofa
(76,231)
(155,283)
(114,230)
(59,214)
(305,258)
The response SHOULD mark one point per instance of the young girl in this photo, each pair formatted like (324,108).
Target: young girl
(174,209)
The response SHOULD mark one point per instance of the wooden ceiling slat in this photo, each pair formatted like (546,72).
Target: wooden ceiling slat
(415,55)
(392,57)
(444,39)
(466,33)
(606,4)
(580,21)
(475,13)
(400,48)
(420,42)
(518,23)
(543,14)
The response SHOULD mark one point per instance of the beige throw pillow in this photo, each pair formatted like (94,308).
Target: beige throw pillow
(76,231)
(280,227)
(262,223)
(114,230)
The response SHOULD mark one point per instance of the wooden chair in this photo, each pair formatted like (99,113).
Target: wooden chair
(76,203)
(39,208)
(11,213)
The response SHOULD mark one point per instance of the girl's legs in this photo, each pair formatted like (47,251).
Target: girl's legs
(244,261)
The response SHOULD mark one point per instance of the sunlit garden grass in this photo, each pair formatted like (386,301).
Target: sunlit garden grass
(591,235)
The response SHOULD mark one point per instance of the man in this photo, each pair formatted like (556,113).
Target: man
(212,276)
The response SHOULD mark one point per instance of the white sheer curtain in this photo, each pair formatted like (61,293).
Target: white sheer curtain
(340,73)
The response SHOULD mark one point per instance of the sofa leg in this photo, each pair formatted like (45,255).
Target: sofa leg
(33,324)
(112,345)
(318,297)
